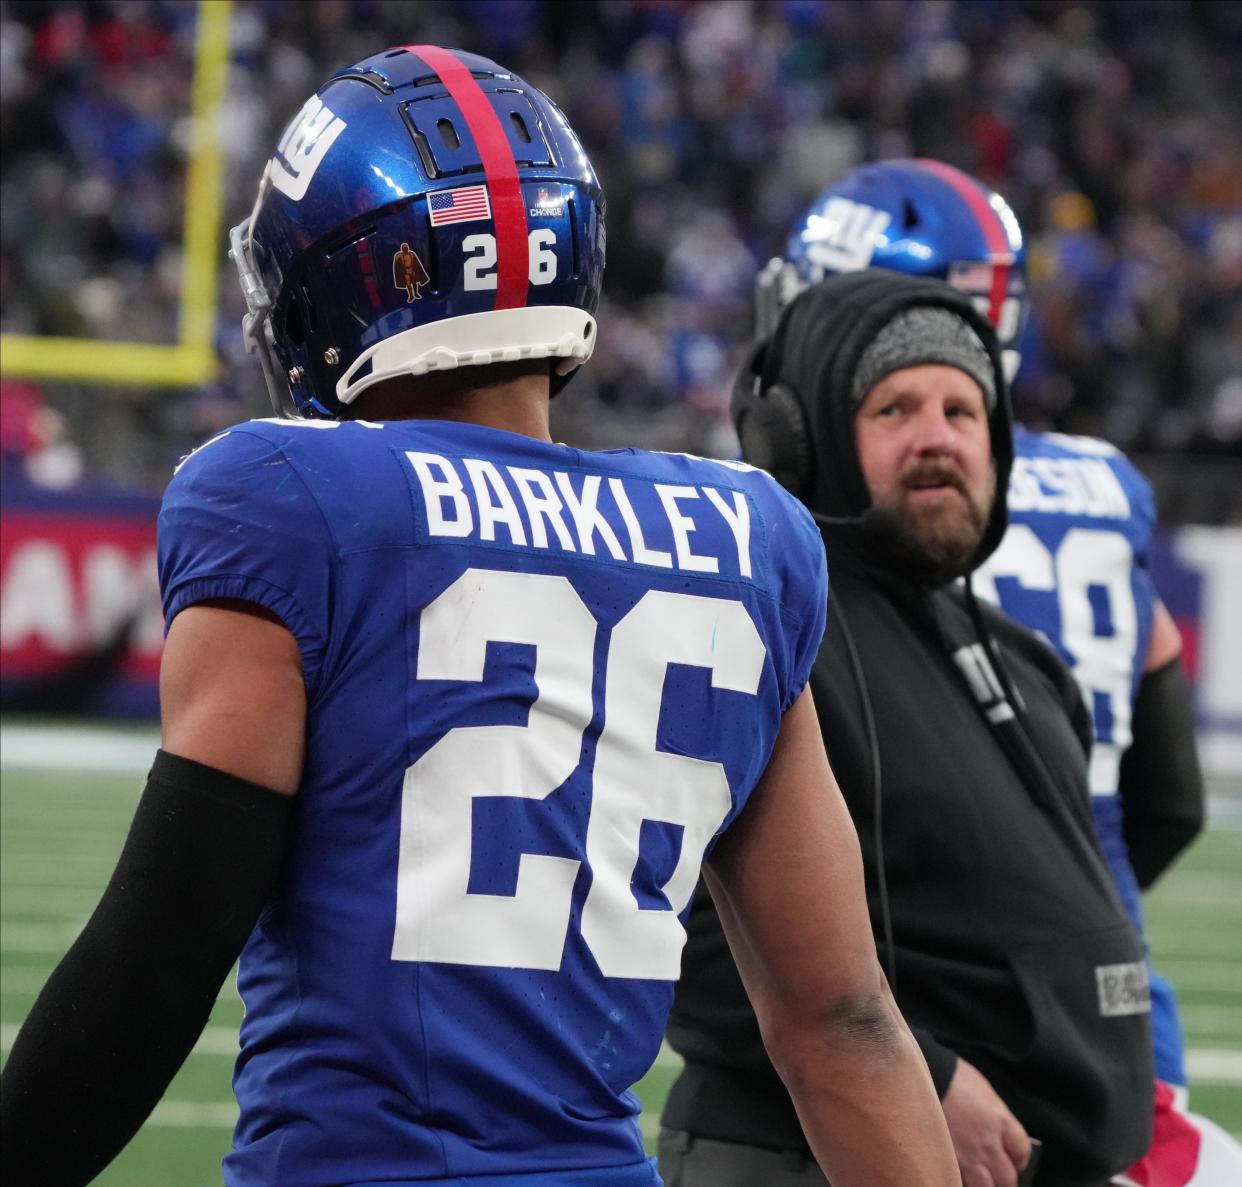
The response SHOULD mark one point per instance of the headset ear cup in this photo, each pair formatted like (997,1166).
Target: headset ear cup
(773,432)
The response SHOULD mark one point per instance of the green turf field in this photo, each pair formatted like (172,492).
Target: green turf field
(65,802)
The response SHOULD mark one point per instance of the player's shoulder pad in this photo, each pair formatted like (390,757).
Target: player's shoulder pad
(265,436)
(797,543)
(774,498)
(759,484)
(251,461)
(1072,443)
(226,449)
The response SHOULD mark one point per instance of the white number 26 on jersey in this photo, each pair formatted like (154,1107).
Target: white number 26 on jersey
(438,918)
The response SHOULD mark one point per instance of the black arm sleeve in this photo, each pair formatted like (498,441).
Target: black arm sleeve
(122,1010)
(1160,783)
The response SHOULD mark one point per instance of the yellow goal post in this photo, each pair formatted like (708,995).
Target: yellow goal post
(191,360)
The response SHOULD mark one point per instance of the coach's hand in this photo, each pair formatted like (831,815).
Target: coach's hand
(989,1141)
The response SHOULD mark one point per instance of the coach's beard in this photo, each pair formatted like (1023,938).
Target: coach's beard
(938,538)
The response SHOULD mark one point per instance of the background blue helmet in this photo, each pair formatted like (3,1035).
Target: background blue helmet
(916,216)
(425,210)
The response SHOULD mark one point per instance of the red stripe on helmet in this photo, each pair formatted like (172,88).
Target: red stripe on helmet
(499,168)
(994,235)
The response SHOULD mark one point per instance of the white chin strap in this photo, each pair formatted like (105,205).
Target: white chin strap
(536,332)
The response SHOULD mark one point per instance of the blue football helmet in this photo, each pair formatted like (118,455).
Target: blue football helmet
(425,210)
(916,216)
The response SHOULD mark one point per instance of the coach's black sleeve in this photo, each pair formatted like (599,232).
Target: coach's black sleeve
(124,1007)
(1160,783)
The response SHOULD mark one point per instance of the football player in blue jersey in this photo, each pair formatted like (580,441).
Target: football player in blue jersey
(1073,565)
(452,715)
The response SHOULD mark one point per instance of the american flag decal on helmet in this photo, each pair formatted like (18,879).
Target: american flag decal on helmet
(463,205)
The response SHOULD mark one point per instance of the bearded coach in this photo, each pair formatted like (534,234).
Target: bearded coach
(961,745)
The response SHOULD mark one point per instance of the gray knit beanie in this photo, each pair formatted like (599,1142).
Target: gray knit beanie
(924,334)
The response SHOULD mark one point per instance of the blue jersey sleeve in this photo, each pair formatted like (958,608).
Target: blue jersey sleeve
(803,588)
(238,522)
(1140,529)
(1142,507)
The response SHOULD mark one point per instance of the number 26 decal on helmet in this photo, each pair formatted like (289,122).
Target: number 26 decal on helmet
(425,210)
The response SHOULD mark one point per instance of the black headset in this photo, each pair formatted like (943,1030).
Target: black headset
(772,427)
(775,436)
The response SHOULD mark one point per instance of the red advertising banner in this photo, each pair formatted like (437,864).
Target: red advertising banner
(80,623)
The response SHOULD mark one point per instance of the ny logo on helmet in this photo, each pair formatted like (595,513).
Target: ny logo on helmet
(843,236)
(303,146)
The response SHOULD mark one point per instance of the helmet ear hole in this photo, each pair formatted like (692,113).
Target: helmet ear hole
(294,328)
(910,213)
(448,134)
(308,311)
(519,125)
(301,323)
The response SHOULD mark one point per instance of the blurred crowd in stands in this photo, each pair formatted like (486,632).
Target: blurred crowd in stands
(1114,129)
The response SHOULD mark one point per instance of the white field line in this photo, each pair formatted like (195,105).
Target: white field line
(1196,899)
(1220,976)
(1205,1065)
(72,815)
(63,869)
(215,1040)
(78,748)
(218,1040)
(47,903)
(103,749)
(1214,1020)
(1205,885)
(667,1058)
(1171,944)
(39,939)
(1218,1065)
(23,982)
(193,1114)
(1213,1065)
(29,839)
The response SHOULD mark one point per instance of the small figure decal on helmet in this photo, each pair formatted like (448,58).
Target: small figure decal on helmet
(408,273)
